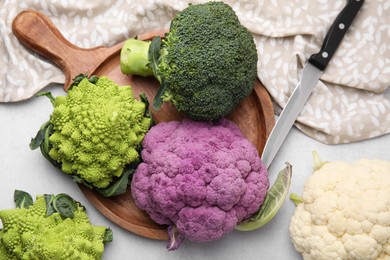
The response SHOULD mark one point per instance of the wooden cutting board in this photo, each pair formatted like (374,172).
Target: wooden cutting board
(254,115)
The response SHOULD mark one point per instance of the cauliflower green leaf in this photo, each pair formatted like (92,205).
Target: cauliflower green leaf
(296,198)
(272,203)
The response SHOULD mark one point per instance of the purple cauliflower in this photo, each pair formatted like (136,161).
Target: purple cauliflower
(199,178)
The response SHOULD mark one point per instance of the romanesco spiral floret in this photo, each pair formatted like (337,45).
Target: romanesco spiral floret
(97,130)
(28,233)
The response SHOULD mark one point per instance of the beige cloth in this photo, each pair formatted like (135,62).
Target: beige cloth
(348,104)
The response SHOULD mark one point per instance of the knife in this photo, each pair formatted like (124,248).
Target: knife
(310,75)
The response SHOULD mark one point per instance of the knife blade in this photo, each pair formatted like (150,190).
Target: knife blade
(310,76)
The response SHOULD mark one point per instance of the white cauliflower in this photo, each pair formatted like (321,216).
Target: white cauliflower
(344,212)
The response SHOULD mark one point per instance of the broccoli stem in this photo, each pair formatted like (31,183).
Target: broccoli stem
(134,58)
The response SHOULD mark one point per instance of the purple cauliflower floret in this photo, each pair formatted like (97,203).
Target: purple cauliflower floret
(199,178)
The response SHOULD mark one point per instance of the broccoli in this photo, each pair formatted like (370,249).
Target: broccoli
(206,63)
(51,228)
(95,131)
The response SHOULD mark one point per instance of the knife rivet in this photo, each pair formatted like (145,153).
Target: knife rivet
(341,26)
(325,55)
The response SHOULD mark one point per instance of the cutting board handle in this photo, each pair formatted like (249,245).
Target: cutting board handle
(37,32)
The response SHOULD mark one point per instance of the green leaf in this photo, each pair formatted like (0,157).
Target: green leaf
(64,205)
(317,162)
(118,187)
(272,202)
(77,80)
(49,206)
(47,94)
(46,146)
(78,179)
(108,236)
(93,79)
(40,137)
(158,99)
(145,100)
(296,199)
(22,199)
(154,55)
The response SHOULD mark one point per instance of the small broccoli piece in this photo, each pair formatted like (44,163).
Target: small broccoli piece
(96,131)
(199,178)
(206,63)
(30,233)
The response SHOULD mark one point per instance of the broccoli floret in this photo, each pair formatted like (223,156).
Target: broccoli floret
(96,131)
(41,232)
(206,63)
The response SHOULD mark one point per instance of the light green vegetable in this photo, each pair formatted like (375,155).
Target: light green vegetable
(40,230)
(95,132)
(272,203)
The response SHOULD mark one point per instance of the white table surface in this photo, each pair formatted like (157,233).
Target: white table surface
(27,170)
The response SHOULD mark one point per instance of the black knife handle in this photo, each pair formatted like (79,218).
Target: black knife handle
(335,34)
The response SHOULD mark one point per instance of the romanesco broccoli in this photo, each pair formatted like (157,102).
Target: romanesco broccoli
(31,233)
(95,131)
